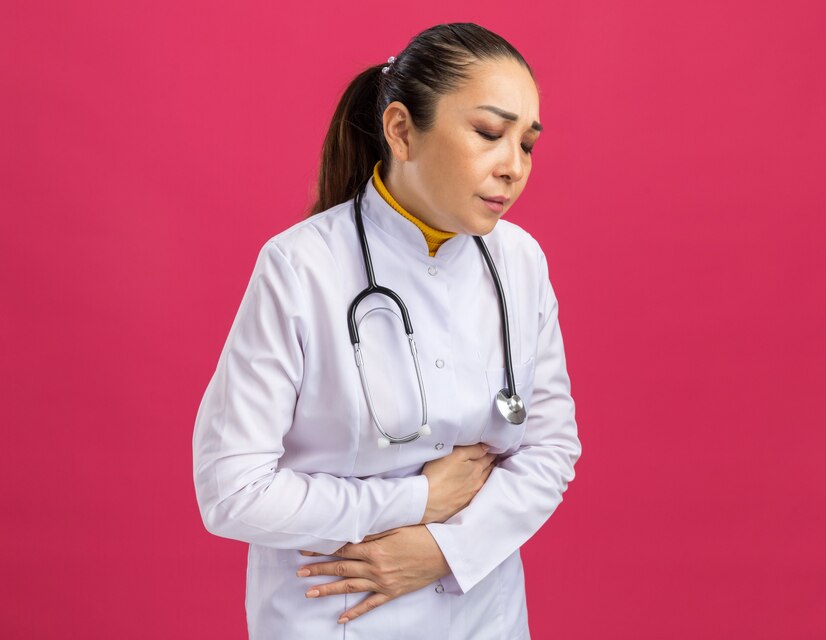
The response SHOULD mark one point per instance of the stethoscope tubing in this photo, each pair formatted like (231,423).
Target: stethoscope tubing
(503,313)
(373,288)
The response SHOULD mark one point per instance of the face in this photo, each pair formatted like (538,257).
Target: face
(478,151)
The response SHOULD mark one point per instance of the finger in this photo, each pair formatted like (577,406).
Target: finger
(487,461)
(352,550)
(377,536)
(349,550)
(475,451)
(315,553)
(367,605)
(340,568)
(350,585)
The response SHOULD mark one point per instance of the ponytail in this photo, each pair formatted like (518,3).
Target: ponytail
(353,143)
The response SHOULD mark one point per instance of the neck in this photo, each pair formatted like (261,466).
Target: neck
(434,237)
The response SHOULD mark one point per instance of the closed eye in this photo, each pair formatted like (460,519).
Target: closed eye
(489,136)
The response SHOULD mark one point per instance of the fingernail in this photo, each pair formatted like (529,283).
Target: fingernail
(342,620)
(302,573)
(312,593)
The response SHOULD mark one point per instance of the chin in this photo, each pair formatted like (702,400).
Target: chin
(483,228)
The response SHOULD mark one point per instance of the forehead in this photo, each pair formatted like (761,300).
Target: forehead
(503,83)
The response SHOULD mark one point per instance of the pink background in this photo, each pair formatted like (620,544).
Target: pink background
(148,149)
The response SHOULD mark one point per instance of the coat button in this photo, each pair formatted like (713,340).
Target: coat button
(439,446)
(440,588)
(432,270)
(440,363)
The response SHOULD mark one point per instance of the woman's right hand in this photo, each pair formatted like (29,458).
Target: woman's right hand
(455,479)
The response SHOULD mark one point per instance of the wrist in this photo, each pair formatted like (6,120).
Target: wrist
(428,514)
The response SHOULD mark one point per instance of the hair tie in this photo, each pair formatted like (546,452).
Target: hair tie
(391,60)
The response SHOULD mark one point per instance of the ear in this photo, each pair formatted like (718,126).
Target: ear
(397,125)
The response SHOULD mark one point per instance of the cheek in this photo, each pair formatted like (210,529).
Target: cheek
(452,176)
(524,181)
(440,189)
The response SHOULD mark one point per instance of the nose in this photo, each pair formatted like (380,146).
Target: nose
(512,166)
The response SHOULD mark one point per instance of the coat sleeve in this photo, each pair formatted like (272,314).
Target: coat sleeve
(247,408)
(524,489)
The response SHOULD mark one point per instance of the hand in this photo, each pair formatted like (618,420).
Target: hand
(455,479)
(389,564)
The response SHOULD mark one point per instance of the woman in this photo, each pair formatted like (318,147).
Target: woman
(419,499)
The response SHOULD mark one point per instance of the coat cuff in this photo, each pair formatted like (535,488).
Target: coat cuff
(454,582)
(407,504)
(451,585)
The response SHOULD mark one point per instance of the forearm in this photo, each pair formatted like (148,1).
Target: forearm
(520,495)
(290,510)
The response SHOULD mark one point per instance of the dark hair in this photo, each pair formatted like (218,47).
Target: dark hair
(434,63)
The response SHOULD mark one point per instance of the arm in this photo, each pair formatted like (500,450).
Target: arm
(238,438)
(524,489)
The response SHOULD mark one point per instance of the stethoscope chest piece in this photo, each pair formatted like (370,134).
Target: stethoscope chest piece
(511,407)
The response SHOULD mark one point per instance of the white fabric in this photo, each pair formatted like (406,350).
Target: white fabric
(286,455)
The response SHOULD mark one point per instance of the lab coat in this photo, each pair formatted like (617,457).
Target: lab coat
(285,451)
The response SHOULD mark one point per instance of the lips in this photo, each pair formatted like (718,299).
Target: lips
(499,199)
(495,205)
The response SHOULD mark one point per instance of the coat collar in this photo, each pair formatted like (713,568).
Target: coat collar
(399,229)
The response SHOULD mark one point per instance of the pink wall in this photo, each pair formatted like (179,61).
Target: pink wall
(147,149)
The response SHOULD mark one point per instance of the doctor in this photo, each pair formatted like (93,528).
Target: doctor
(388,499)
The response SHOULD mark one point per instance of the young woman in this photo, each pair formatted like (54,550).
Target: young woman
(418,434)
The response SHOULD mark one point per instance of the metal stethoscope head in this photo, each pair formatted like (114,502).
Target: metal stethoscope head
(507,401)
(511,406)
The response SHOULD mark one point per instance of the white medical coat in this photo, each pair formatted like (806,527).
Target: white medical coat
(286,455)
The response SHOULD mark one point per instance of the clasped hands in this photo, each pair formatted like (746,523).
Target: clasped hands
(402,560)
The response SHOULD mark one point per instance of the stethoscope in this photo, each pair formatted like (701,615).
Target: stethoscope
(508,402)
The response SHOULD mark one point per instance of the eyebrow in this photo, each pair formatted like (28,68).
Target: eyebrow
(507,115)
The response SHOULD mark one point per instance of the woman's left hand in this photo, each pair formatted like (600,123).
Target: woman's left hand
(389,564)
